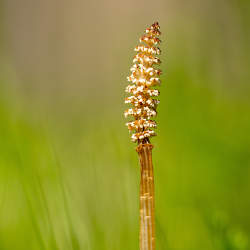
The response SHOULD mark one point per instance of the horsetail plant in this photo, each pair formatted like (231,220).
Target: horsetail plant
(144,77)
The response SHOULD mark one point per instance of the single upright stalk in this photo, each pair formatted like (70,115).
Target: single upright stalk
(147,197)
(143,101)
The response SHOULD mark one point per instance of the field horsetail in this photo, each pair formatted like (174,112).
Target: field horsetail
(143,79)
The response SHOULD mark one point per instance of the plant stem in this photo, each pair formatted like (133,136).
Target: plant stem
(147,197)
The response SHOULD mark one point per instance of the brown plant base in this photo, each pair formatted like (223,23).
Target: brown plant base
(147,206)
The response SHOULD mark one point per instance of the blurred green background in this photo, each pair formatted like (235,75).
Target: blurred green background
(69,175)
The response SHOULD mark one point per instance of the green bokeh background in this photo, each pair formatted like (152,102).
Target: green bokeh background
(69,175)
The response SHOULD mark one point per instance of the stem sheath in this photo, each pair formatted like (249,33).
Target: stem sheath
(147,197)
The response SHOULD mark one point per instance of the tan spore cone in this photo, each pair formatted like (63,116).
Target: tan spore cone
(144,77)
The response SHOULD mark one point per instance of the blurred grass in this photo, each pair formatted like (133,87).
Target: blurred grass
(76,187)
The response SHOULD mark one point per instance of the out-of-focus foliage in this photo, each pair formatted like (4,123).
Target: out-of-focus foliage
(69,177)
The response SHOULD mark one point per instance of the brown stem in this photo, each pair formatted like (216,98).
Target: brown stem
(147,206)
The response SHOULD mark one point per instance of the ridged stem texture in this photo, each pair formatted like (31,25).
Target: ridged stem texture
(147,197)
